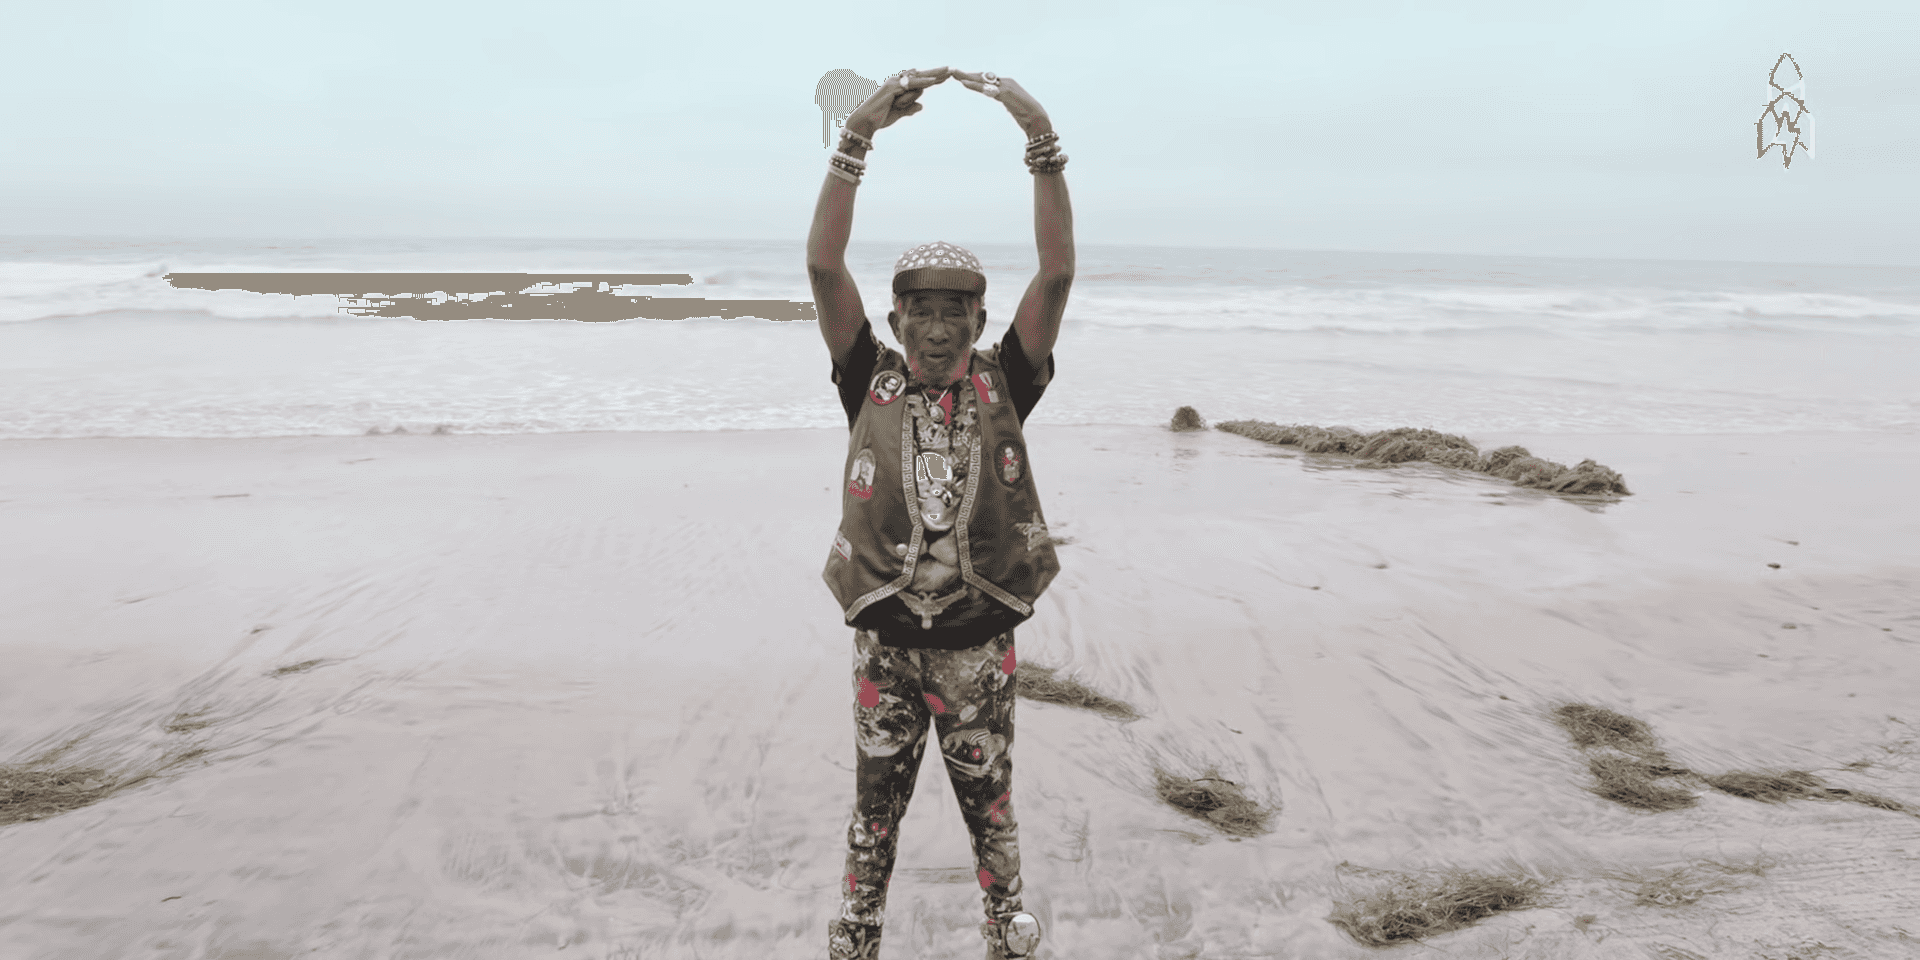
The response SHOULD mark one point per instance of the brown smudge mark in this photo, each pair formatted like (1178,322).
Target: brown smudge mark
(301,667)
(516,300)
(187,722)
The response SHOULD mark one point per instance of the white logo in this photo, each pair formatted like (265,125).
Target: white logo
(1786,123)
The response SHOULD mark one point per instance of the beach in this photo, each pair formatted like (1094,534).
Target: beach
(1478,454)
(512,695)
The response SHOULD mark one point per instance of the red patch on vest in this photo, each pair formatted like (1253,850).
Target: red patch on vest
(886,387)
(860,476)
(1007,665)
(984,388)
(1009,463)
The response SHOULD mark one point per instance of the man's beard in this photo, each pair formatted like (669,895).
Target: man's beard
(956,371)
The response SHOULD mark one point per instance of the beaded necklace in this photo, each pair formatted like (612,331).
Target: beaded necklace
(943,446)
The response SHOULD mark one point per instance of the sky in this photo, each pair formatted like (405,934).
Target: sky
(1614,130)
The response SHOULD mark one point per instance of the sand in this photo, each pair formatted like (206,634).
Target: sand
(464,696)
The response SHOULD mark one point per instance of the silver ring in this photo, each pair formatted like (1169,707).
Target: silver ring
(991,90)
(905,75)
(991,77)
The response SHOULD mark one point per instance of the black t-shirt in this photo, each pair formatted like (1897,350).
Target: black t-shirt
(854,377)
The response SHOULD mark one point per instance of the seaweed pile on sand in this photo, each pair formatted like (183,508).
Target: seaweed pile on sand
(1410,444)
(1625,762)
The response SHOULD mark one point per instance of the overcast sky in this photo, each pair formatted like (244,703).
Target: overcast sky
(1620,129)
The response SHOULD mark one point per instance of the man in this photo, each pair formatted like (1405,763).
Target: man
(942,548)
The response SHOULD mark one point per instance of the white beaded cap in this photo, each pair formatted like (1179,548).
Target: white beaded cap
(938,254)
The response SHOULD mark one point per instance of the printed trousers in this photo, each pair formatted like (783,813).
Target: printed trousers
(968,695)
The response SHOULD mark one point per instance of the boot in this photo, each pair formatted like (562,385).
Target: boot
(852,941)
(1016,938)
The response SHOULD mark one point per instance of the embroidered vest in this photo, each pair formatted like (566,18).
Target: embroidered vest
(1005,557)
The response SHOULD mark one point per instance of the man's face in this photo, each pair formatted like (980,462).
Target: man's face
(937,334)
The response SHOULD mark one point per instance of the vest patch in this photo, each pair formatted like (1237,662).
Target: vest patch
(1009,463)
(860,475)
(842,547)
(886,387)
(984,387)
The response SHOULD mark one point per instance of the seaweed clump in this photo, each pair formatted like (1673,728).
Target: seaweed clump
(1187,418)
(1410,908)
(1221,803)
(1625,761)
(1409,444)
(1044,684)
(36,794)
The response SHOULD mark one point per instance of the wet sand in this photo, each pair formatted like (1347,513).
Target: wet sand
(439,696)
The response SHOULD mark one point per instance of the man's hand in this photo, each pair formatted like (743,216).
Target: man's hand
(1025,109)
(896,99)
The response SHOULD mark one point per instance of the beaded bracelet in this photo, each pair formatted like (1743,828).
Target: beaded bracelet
(1043,153)
(846,168)
(858,140)
(1053,164)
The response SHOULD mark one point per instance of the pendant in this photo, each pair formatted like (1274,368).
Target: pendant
(941,410)
(936,508)
(933,513)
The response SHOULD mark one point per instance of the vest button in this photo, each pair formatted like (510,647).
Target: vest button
(900,548)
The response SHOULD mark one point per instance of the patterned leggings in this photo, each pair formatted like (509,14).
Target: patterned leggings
(969,695)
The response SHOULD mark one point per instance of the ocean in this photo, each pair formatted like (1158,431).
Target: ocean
(95,342)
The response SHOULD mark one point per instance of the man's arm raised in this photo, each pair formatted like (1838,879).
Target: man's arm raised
(835,298)
(1038,317)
